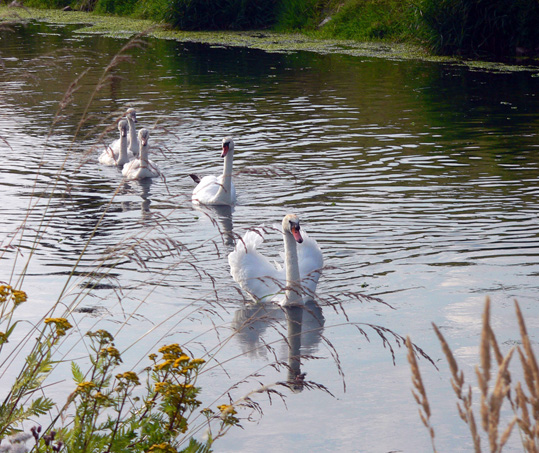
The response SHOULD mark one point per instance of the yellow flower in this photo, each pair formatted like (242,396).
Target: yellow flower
(113,352)
(100,397)
(129,376)
(180,360)
(171,348)
(164,447)
(5,291)
(62,324)
(85,386)
(161,386)
(163,365)
(227,409)
(19,297)
(198,361)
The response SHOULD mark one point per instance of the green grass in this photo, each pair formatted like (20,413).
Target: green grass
(477,28)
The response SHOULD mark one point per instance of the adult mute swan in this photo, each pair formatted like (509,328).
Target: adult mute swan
(217,190)
(142,167)
(110,157)
(132,140)
(266,282)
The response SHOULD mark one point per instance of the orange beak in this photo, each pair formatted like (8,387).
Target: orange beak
(225,150)
(296,234)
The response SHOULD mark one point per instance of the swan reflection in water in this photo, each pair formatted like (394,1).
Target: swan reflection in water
(221,217)
(128,189)
(304,327)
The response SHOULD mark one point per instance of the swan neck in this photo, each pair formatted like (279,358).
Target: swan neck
(293,283)
(123,148)
(133,140)
(144,154)
(226,179)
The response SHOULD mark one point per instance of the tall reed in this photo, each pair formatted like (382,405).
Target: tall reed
(496,388)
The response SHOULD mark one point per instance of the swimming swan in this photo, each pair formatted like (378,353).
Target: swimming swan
(142,167)
(217,190)
(266,282)
(132,140)
(112,158)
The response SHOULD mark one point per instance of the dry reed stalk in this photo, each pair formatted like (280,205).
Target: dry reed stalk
(499,393)
(457,382)
(421,394)
(529,426)
(483,374)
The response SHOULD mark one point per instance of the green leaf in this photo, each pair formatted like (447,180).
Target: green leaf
(78,375)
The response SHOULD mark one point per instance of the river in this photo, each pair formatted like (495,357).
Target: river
(419,181)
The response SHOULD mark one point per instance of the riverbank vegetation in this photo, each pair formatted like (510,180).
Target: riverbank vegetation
(471,28)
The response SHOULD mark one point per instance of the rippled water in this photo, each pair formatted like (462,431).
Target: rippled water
(418,180)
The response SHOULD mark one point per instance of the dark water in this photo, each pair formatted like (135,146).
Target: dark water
(420,181)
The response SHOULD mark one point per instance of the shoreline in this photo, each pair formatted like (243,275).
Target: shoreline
(268,41)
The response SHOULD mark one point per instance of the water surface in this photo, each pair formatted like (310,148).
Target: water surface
(418,180)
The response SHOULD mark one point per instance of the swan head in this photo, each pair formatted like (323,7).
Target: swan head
(131,114)
(228,146)
(291,225)
(122,127)
(143,136)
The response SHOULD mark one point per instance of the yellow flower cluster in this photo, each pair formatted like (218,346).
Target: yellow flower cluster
(164,447)
(62,325)
(7,291)
(103,335)
(173,349)
(129,376)
(100,397)
(85,386)
(173,356)
(111,351)
(227,409)
(161,386)
(172,389)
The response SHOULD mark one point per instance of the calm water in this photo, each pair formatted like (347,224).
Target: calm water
(420,182)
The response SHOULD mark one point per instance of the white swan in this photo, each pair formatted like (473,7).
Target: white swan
(266,282)
(132,140)
(142,167)
(218,190)
(110,157)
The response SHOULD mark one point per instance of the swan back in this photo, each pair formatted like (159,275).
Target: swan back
(290,284)
(142,167)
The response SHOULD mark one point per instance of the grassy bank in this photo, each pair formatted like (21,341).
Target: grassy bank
(472,28)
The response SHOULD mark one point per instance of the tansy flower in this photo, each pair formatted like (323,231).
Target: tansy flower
(129,376)
(19,297)
(227,409)
(85,386)
(161,386)
(62,325)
